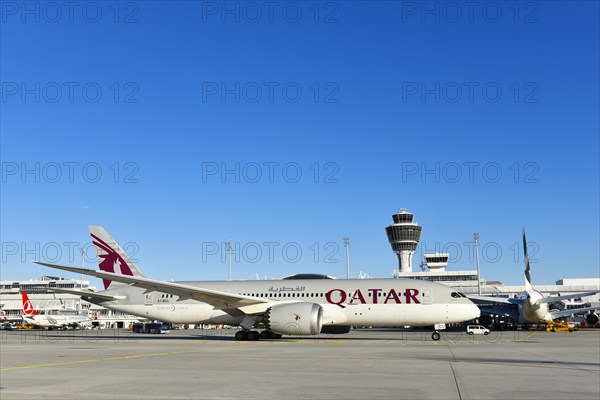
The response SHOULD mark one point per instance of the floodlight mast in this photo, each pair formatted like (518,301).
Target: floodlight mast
(476,239)
(347,245)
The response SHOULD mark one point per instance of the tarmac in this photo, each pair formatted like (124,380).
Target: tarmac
(364,364)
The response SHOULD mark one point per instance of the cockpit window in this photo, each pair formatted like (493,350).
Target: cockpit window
(456,295)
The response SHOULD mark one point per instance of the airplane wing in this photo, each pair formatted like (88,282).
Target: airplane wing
(566,297)
(87,294)
(499,300)
(231,303)
(559,314)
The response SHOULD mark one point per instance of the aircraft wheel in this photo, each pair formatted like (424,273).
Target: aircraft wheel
(253,336)
(266,335)
(435,336)
(241,335)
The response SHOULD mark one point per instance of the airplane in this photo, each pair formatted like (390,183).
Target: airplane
(279,307)
(32,317)
(6,324)
(533,306)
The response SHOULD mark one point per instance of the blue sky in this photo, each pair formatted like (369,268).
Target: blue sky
(181,125)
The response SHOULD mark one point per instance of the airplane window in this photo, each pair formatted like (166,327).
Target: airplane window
(455,295)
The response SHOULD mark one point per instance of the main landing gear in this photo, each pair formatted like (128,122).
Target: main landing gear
(244,335)
(435,336)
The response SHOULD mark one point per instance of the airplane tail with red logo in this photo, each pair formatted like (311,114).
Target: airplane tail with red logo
(28,309)
(110,256)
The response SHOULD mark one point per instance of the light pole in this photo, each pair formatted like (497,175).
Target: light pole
(229,250)
(347,245)
(82,250)
(476,239)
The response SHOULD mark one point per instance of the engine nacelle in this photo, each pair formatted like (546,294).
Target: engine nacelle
(591,319)
(301,319)
(336,329)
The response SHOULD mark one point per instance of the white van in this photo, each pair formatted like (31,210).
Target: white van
(477,330)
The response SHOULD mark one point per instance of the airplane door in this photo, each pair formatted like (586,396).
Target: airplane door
(148,299)
(426,296)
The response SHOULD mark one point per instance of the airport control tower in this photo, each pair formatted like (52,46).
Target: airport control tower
(404,236)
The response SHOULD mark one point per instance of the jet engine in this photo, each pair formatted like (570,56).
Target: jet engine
(591,319)
(294,319)
(335,329)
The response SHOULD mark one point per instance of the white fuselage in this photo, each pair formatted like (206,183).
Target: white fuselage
(55,321)
(382,302)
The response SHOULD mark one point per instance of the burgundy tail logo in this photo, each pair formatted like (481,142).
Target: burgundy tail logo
(111,261)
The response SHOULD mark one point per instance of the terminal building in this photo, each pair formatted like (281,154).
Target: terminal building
(52,303)
(404,235)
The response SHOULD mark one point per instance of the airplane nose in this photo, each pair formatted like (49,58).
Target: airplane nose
(475,311)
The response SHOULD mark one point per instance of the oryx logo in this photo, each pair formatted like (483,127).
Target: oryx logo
(296,317)
(111,261)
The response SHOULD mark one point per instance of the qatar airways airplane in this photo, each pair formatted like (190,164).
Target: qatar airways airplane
(278,307)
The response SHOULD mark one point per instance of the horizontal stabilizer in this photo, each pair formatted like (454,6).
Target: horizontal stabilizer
(559,314)
(566,297)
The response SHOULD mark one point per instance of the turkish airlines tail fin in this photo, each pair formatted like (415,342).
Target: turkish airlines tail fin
(28,310)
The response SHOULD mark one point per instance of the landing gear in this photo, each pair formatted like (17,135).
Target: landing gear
(241,335)
(265,335)
(435,336)
(255,335)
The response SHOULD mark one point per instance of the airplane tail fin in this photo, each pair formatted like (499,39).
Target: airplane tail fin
(110,256)
(28,309)
(527,268)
